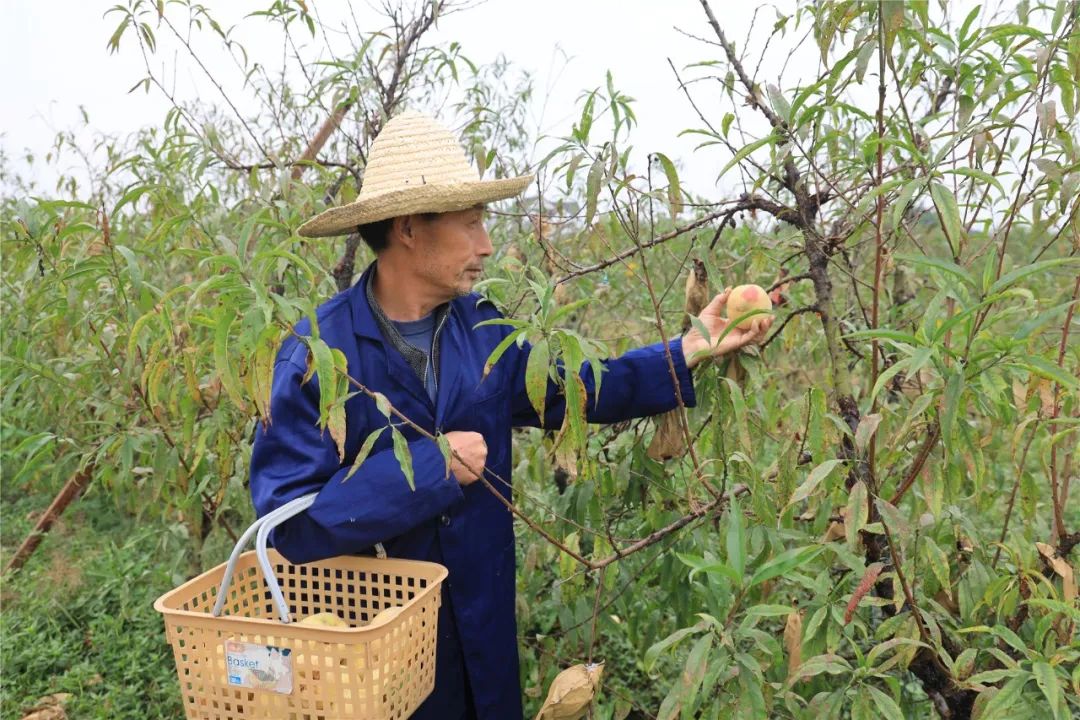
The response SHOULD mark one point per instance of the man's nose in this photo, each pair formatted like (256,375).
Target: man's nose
(484,246)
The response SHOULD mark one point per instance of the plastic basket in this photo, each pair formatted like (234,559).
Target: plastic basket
(235,659)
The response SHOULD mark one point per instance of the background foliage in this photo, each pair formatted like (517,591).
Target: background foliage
(870,516)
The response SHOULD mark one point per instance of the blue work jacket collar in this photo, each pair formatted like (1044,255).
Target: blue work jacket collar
(364,323)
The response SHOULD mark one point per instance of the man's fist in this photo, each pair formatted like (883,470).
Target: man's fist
(473,451)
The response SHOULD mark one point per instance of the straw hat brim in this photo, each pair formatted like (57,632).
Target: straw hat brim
(408,201)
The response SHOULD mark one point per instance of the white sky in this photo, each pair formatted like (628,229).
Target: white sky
(55,61)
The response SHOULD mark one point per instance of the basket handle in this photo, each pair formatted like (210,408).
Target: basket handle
(261,529)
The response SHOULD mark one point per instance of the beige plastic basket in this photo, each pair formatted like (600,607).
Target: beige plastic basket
(235,659)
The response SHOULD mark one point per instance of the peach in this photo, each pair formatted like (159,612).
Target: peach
(744,299)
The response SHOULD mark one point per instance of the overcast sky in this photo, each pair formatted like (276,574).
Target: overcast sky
(55,61)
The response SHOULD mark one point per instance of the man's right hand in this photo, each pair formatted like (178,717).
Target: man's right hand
(473,450)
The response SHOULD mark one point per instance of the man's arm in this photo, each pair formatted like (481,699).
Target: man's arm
(639,383)
(292,457)
(636,384)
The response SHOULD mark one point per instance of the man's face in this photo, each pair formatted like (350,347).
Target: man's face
(450,249)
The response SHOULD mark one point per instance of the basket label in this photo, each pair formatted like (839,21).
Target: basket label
(264,667)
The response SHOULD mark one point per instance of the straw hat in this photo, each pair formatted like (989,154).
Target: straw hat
(415,166)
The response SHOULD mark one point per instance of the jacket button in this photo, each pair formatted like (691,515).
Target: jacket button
(445,520)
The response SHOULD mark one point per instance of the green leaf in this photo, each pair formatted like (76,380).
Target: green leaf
(653,653)
(404,457)
(1021,272)
(132,196)
(904,199)
(890,515)
(938,561)
(1047,681)
(447,452)
(701,565)
(223,363)
(910,365)
(946,266)
(1001,704)
(592,188)
(779,103)
(886,706)
(736,538)
(674,191)
(1011,638)
(828,663)
(499,350)
(1046,369)
(784,562)
(697,662)
(725,124)
(954,390)
(133,267)
(814,479)
(946,205)
(1058,606)
(745,152)
(536,376)
(769,610)
(365,450)
(977,175)
(382,403)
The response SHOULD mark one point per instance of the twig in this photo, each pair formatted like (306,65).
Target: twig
(879,221)
(704,220)
(1059,494)
(786,320)
(71,490)
(1012,495)
(918,463)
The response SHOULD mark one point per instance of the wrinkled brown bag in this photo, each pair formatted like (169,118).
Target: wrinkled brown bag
(571,693)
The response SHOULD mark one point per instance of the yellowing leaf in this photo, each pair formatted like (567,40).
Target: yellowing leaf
(793,629)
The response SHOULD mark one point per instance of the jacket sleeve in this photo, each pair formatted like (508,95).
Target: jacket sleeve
(292,457)
(636,384)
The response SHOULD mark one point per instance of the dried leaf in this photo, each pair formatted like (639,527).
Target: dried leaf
(1046,398)
(50,707)
(571,693)
(697,292)
(835,531)
(1020,394)
(668,441)
(793,640)
(868,425)
(867,582)
(1062,568)
(1047,115)
(855,514)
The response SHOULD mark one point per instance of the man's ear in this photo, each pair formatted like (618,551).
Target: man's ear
(403,227)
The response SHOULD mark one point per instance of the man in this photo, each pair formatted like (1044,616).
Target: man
(408,329)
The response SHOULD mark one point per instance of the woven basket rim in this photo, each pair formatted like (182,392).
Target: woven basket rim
(204,619)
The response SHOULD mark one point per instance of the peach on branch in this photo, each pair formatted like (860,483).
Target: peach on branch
(744,299)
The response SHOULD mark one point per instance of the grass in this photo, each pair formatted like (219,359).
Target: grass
(79,617)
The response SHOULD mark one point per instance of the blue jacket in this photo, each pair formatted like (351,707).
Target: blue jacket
(466,529)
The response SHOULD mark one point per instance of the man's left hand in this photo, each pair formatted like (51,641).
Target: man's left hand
(696,348)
